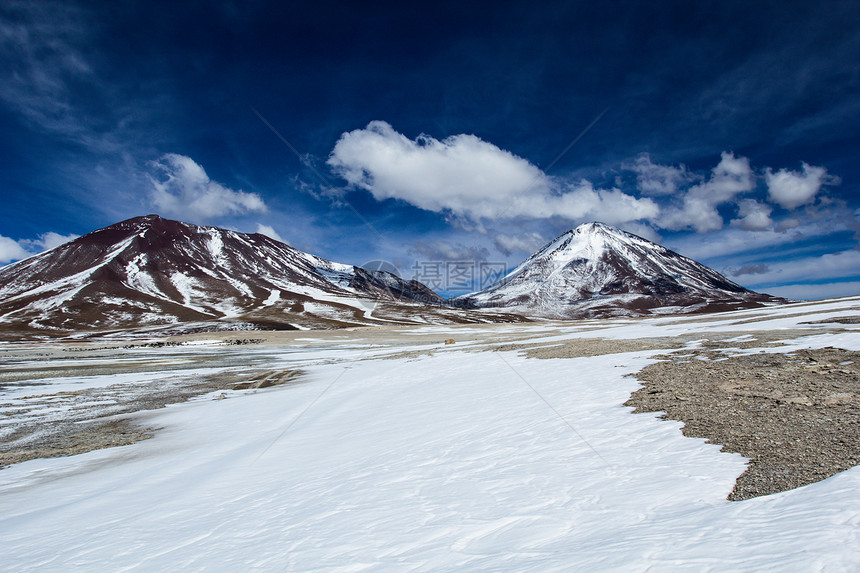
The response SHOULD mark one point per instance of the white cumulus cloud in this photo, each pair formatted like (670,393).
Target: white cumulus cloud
(10,250)
(753,216)
(181,188)
(47,241)
(791,189)
(470,178)
(269,232)
(732,176)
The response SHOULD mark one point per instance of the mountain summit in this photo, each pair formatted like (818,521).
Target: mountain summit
(154,272)
(598,270)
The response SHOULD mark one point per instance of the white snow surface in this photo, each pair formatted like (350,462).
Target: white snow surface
(274,296)
(215,243)
(447,462)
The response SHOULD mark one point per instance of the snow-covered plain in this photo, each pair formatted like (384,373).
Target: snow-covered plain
(420,456)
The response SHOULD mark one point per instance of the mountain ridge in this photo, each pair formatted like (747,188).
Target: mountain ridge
(154,271)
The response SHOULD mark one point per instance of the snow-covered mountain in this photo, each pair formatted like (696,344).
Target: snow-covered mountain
(154,271)
(597,270)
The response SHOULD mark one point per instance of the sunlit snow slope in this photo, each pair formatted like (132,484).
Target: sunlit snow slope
(598,270)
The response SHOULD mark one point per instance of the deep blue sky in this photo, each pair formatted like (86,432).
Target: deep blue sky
(434,134)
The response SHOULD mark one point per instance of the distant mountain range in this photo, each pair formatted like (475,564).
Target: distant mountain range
(150,273)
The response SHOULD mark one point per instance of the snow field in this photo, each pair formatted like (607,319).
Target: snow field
(447,462)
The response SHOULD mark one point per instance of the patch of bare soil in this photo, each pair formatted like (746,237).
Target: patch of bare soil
(85,438)
(88,419)
(837,320)
(583,347)
(796,416)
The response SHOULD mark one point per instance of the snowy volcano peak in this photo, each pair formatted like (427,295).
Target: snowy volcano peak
(599,270)
(593,254)
(589,241)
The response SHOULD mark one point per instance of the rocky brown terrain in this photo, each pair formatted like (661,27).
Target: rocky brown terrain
(795,415)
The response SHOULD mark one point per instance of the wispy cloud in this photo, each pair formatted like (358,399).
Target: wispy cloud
(655,179)
(731,241)
(448,251)
(470,179)
(526,243)
(40,44)
(751,269)
(842,264)
(812,291)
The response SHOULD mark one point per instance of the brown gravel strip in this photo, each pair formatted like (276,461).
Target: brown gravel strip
(796,416)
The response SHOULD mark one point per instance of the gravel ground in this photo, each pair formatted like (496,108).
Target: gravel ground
(796,416)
